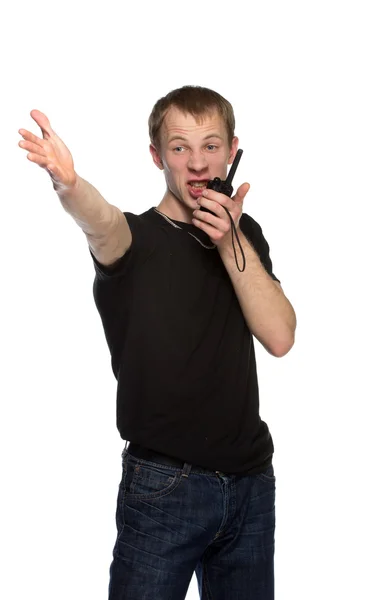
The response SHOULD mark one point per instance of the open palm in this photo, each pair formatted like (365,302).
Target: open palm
(49,153)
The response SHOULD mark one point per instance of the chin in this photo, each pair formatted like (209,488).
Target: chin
(192,201)
(193,205)
(188,202)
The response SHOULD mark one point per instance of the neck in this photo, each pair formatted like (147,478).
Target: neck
(175,209)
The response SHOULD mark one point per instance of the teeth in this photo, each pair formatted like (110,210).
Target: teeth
(198,184)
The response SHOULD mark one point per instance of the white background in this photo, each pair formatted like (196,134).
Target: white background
(295,74)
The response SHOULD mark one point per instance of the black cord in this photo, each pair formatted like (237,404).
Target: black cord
(233,228)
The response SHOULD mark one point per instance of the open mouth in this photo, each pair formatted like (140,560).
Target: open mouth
(196,187)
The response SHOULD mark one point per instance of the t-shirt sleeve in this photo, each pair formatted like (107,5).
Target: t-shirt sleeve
(141,246)
(253,231)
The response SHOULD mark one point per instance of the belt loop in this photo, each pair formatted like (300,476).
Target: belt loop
(186,470)
(124,450)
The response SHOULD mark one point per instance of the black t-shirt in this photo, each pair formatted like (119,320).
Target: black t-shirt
(181,350)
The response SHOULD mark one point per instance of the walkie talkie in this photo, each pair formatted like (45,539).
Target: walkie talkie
(224,187)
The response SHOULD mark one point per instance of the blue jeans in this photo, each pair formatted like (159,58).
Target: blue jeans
(172,522)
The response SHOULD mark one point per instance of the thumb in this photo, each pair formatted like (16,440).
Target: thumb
(43,122)
(241,192)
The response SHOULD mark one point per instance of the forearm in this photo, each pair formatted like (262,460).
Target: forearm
(87,207)
(267,311)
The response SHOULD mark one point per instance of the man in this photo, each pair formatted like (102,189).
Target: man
(197,492)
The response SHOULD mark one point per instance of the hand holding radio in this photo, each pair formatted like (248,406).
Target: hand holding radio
(213,212)
(218,201)
(216,204)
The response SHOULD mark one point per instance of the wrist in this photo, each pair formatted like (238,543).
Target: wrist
(69,189)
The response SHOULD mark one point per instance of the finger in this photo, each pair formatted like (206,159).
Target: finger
(34,148)
(42,161)
(28,135)
(219,208)
(43,122)
(212,205)
(213,231)
(217,221)
(242,192)
(216,197)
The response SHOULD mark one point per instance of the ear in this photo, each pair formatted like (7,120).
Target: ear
(156,157)
(234,149)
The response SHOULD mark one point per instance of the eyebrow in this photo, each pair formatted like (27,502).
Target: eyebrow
(180,137)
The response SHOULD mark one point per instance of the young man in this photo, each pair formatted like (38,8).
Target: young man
(197,492)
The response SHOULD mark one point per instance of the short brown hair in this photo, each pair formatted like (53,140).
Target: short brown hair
(195,100)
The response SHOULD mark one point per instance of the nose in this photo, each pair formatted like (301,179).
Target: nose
(197,161)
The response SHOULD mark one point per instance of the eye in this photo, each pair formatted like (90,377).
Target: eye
(177,148)
(211,146)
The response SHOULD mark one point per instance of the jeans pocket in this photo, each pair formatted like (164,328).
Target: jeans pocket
(268,475)
(147,480)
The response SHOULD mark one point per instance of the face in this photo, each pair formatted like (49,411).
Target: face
(191,154)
